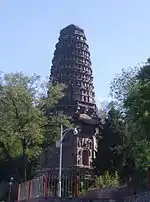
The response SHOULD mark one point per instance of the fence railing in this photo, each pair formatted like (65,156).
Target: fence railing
(47,185)
(73,184)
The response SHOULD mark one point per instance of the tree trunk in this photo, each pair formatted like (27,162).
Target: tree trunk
(24,160)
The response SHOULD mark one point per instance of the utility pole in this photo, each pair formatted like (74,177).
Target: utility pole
(60,161)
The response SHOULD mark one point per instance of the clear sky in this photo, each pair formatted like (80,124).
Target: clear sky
(118,33)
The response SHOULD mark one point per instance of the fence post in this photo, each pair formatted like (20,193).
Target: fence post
(44,186)
(29,189)
(77,186)
(19,189)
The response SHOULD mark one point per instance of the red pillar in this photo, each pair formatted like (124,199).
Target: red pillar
(77,186)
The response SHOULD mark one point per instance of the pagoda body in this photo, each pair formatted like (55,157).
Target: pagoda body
(71,65)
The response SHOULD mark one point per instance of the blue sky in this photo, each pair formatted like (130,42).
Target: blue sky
(118,34)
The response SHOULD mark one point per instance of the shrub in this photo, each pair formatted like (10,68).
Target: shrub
(107,180)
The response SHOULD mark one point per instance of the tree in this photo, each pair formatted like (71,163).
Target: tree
(53,117)
(119,150)
(138,101)
(123,83)
(20,122)
(132,90)
(108,156)
(23,122)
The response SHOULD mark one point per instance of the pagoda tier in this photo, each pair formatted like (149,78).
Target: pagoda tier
(71,66)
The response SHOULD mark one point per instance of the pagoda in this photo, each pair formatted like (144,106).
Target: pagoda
(71,65)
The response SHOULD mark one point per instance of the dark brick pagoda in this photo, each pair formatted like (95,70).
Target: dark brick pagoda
(71,65)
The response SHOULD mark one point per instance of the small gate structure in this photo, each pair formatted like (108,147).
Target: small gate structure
(47,185)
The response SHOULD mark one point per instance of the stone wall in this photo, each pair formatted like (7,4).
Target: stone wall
(144,197)
(97,195)
(72,200)
(107,194)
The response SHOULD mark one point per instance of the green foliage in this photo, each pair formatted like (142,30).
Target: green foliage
(124,143)
(107,180)
(132,90)
(138,100)
(52,128)
(25,126)
(123,83)
(20,120)
(108,156)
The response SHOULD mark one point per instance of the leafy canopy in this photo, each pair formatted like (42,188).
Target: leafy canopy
(25,126)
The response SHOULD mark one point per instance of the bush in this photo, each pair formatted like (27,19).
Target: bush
(107,180)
